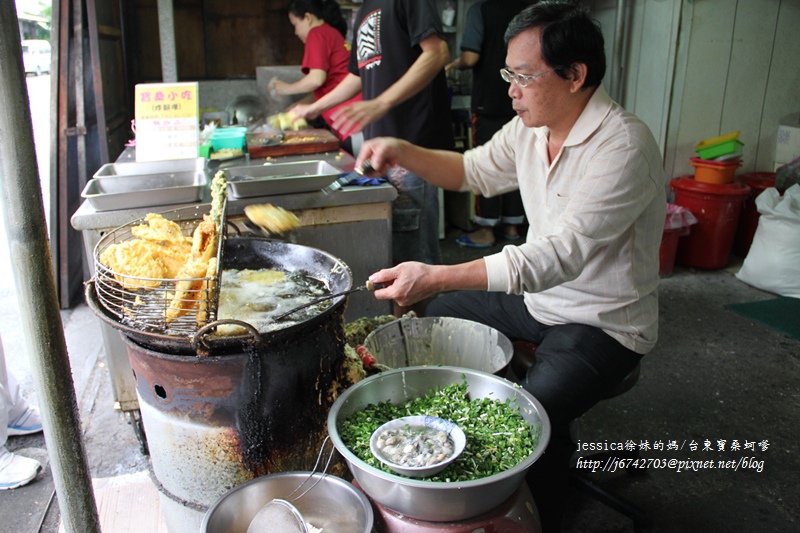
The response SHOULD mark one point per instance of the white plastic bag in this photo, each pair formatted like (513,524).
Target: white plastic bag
(773,261)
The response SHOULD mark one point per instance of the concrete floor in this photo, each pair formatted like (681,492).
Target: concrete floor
(713,376)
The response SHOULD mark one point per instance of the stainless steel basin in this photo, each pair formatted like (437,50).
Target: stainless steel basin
(428,500)
(333,505)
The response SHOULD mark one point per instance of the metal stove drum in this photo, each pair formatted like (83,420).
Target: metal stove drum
(219,410)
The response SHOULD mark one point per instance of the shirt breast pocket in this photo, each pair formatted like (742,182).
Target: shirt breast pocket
(557,202)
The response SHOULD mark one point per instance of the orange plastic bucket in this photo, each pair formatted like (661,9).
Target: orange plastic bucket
(717,209)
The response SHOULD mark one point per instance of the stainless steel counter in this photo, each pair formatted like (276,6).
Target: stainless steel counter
(353,224)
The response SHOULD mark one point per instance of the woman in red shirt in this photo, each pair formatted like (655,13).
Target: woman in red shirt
(321,26)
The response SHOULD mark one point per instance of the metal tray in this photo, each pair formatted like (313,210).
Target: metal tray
(111,193)
(133,168)
(280,178)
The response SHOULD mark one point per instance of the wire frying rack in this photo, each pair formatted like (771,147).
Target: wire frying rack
(143,302)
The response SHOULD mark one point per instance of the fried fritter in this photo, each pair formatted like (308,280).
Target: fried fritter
(204,240)
(219,191)
(139,258)
(187,289)
(207,292)
(159,229)
(273,219)
(160,251)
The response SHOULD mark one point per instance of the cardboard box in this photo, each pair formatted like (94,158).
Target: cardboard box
(787,145)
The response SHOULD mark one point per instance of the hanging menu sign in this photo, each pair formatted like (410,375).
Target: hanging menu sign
(167,118)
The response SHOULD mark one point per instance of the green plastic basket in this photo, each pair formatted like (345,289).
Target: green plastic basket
(717,150)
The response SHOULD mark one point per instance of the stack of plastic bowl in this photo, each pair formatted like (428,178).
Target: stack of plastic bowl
(715,199)
(717,159)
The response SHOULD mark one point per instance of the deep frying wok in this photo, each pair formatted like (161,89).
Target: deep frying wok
(244,253)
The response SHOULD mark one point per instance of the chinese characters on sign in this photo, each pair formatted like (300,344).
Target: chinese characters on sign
(741,455)
(167,118)
(706,445)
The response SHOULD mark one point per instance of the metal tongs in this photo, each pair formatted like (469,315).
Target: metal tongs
(370,286)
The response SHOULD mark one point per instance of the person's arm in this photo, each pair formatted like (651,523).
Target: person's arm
(412,282)
(305,100)
(307,84)
(471,40)
(443,168)
(347,89)
(466,60)
(355,117)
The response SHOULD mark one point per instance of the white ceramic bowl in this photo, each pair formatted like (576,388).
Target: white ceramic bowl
(455,433)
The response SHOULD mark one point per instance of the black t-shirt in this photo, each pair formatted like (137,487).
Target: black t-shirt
(485,36)
(385,45)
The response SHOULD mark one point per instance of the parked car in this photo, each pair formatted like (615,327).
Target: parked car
(36,56)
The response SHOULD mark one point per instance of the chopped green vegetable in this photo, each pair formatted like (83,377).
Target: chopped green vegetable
(498,437)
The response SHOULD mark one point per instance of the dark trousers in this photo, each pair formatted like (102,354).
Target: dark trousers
(576,367)
(506,207)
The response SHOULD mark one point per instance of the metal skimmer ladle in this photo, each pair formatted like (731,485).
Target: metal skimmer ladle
(280,514)
(368,286)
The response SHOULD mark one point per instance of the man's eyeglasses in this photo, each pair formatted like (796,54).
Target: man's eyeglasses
(521,79)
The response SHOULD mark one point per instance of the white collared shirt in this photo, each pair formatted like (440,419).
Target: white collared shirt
(596,218)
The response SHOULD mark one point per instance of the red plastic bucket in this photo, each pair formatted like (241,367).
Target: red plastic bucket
(668,250)
(717,209)
(748,220)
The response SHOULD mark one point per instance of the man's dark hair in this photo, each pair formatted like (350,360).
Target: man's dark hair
(569,35)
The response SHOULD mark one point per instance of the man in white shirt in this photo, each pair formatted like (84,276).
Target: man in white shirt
(583,285)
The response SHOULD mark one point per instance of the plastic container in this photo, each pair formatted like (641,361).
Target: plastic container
(677,224)
(715,172)
(719,146)
(668,251)
(719,150)
(231,138)
(717,209)
(748,220)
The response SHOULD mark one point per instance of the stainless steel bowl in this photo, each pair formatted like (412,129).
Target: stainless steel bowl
(428,500)
(440,341)
(334,505)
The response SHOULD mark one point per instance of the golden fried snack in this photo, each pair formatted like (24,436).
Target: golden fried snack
(205,239)
(272,219)
(139,258)
(207,293)
(187,288)
(174,256)
(159,229)
(219,191)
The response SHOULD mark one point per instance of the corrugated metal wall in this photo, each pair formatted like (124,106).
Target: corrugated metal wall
(702,68)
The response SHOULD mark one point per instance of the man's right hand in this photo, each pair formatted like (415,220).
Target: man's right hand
(382,153)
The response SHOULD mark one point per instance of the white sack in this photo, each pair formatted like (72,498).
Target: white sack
(773,262)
